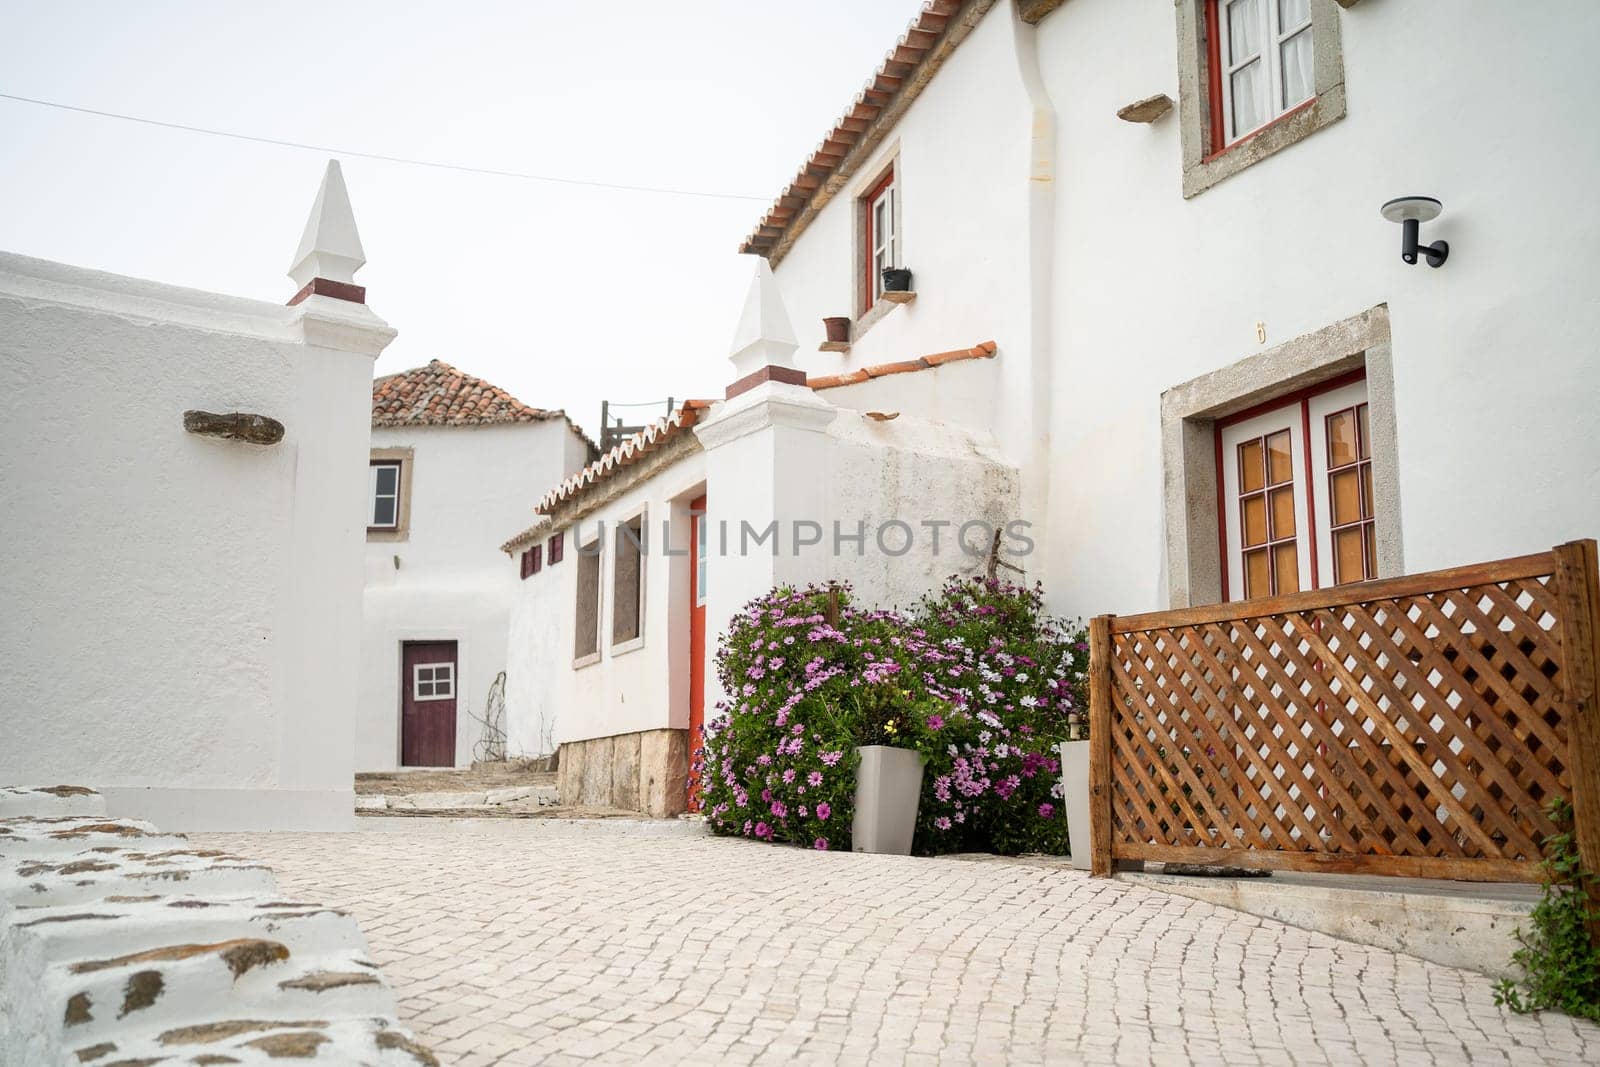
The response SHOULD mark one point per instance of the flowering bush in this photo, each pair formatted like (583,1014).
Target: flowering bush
(977,678)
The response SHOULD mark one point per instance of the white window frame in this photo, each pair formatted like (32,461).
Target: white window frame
(373,496)
(435,679)
(885,249)
(1270,37)
(701,554)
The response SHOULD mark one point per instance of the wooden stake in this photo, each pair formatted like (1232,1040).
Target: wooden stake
(1577,582)
(1100,859)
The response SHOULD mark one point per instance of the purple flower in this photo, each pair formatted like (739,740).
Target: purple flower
(824,810)
(935,722)
(814,778)
(762,829)
(1046,810)
(788,776)
(779,809)
(832,758)
(942,822)
(820,844)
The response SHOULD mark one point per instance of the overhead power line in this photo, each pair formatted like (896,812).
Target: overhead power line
(435,164)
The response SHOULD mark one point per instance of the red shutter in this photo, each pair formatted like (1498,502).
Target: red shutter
(538,558)
(557,547)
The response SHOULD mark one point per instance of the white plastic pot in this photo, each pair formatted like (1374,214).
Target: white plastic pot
(1075,799)
(888,789)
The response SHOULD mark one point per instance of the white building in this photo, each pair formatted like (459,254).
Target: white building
(453,461)
(1208,371)
(180,509)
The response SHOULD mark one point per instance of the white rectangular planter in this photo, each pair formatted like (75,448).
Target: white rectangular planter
(888,789)
(1075,798)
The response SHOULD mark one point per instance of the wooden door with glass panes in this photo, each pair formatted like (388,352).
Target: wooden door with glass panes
(1297,500)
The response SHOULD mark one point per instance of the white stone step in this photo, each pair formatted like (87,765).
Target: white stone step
(61,835)
(254,1042)
(24,800)
(132,970)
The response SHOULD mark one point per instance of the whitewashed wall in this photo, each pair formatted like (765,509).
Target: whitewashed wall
(1494,367)
(839,465)
(962,175)
(644,688)
(448,580)
(182,613)
(1033,216)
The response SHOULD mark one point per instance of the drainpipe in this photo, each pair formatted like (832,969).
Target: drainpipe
(1040,283)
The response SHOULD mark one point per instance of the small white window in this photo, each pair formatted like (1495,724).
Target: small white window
(384,496)
(433,681)
(1266,62)
(700,560)
(882,240)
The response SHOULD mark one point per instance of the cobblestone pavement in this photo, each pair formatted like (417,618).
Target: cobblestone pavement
(521,942)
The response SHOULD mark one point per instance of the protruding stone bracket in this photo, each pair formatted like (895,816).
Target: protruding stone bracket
(234,426)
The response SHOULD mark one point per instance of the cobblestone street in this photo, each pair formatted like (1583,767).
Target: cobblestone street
(522,942)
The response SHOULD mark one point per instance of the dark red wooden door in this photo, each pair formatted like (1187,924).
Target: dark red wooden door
(428,687)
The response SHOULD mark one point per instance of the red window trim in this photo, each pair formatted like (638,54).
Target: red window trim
(867,203)
(1218,146)
(1301,397)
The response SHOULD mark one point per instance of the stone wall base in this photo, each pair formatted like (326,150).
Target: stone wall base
(646,772)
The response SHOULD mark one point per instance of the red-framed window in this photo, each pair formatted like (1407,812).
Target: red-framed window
(1295,499)
(1261,65)
(1267,515)
(1350,518)
(880,235)
(558,547)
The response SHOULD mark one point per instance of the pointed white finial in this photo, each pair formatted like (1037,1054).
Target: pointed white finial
(764,337)
(330,248)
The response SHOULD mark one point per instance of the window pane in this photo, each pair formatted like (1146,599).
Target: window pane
(1371,540)
(1282,512)
(1252,467)
(1255,520)
(1341,438)
(1366,491)
(586,635)
(1280,462)
(1292,13)
(1345,489)
(388,480)
(1257,578)
(1349,556)
(1366,434)
(1298,84)
(1244,30)
(1286,567)
(383,511)
(1247,102)
(424,687)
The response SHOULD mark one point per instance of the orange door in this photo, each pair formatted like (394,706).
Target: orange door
(697,642)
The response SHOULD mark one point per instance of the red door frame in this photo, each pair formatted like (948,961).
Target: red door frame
(697,652)
(428,727)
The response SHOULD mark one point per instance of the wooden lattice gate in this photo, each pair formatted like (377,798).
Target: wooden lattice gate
(1410,726)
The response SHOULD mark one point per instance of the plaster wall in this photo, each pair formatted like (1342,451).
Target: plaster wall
(183,612)
(804,460)
(448,580)
(638,686)
(962,159)
(1494,378)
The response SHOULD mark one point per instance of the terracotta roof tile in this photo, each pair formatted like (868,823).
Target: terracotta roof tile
(986,350)
(624,454)
(441,395)
(933,35)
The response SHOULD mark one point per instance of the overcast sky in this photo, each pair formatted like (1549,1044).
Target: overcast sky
(561,294)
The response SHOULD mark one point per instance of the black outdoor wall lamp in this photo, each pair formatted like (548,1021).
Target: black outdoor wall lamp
(1410,212)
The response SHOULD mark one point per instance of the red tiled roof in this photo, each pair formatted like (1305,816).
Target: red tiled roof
(624,454)
(939,27)
(441,395)
(986,350)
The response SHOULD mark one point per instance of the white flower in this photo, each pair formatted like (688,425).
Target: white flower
(1029,702)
